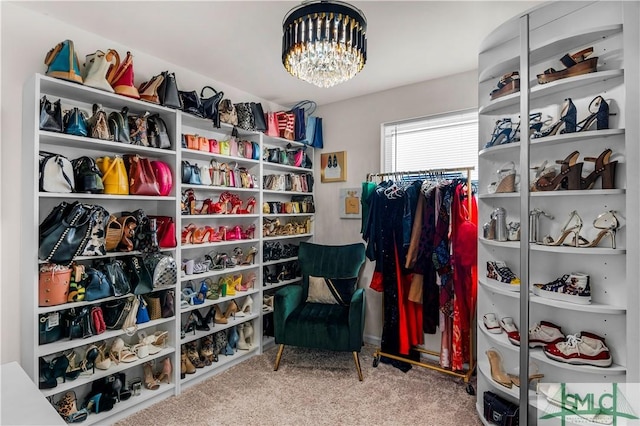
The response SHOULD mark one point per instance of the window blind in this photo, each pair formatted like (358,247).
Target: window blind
(441,141)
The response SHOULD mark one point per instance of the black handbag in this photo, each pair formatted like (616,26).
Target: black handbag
(115,272)
(167,304)
(500,411)
(246,120)
(119,125)
(64,233)
(168,91)
(186,171)
(78,323)
(75,123)
(191,103)
(114,313)
(157,134)
(210,105)
(139,276)
(50,115)
(87,176)
(50,327)
(258,116)
(97,285)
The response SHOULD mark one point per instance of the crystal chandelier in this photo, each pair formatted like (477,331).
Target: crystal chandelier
(324,42)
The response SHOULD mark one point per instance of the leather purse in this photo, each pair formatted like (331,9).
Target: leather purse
(286,124)
(166,231)
(225,147)
(114,313)
(98,124)
(87,176)
(214,146)
(78,323)
(139,276)
(50,328)
(203,144)
(119,125)
(186,171)
(256,150)
(64,232)
(142,180)
(228,113)
(157,134)
(56,173)
(114,175)
(128,224)
(272,125)
(168,91)
(96,67)
(122,78)
(154,306)
(149,89)
(210,105)
(301,110)
(164,177)
(167,304)
(95,245)
(97,285)
(258,116)
(142,315)
(50,115)
(115,272)
(163,269)
(205,174)
(53,284)
(62,62)
(245,116)
(191,103)
(138,129)
(499,411)
(75,123)
(195,175)
(191,141)
(97,320)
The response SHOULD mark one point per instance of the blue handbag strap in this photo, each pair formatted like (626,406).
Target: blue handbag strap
(308,106)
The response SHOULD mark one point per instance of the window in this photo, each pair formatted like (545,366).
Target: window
(440,141)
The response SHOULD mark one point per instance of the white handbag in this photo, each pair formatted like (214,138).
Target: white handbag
(205,175)
(129,326)
(56,173)
(96,68)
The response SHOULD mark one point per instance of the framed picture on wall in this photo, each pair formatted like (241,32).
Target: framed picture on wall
(350,207)
(333,167)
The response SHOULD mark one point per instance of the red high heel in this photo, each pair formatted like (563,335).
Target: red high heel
(201,235)
(207,207)
(222,232)
(234,234)
(214,236)
(236,203)
(249,233)
(187,234)
(251,202)
(223,203)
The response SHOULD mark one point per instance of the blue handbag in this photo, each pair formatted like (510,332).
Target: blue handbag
(255,150)
(97,286)
(62,62)
(75,123)
(143,313)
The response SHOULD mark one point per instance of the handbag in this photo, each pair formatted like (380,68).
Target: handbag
(129,325)
(50,115)
(167,304)
(138,129)
(245,116)
(50,328)
(114,175)
(64,232)
(228,113)
(53,284)
(258,116)
(154,306)
(97,285)
(272,125)
(187,170)
(139,276)
(163,269)
(157,135)
(205,175)
(113,233)
(191,103)
(122,78)
(76,289)
(166,231)
(142,315)
(96,67)
(114,313)
(256,150)
(313,135)
(301,111)
(119,125)
(149,89)
(286,124)
(210,105)
(115,272)
(98,124)
(168,91)
(75,123)
(87,176)
(128,224)
(142,180)
(225,147)
(62,62)
(195,175)
(97,320)
(214,146)
(56,173)
(499,411)
(78,323)
(163,175)
(95,245)
(203,143)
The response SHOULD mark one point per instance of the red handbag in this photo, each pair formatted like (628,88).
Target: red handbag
(166,231)
(286,124)
(163,175)
(214,146)
(142,181)
(97,319)
(53,284)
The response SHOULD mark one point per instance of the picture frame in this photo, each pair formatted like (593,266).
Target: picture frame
(333,167)
(350,206)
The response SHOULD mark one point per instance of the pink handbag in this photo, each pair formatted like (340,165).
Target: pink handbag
(248,149)
(214,146)
(272,125)
(163,176)
(233,147)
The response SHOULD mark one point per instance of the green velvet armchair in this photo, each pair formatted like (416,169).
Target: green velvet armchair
(335,325)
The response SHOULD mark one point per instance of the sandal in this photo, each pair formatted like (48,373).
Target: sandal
(573,226)
(68,409)
(604,168)
(508,84)
(570,176)
(608,224)
(506,179)
(503,133)
(576,64)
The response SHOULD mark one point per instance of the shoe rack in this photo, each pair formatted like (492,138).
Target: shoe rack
(531,44)
(37,205)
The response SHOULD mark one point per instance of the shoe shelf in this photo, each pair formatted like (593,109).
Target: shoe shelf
(284,237)
(63,345)
(199,334)
(513,392)
(276,166)
(88,378)
(219,244)
(211,302)
(558,86)
(223,360)
(577,250)
(216,272)
(283,260)
(505,244)
(99,145)
(498,339)
(164,391)
(270,286)
(186,217)
(499,287)
(275,191)
(499,149)
(77,195)
(613,370)
(217,188)
(579,193)
(576,136)
(282,142)
(287,214)
(500,195)
(204,155)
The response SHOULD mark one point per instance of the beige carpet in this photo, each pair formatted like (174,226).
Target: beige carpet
(316,388)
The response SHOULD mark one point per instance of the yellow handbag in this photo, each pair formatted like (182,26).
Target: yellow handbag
(225,147)
(114,175)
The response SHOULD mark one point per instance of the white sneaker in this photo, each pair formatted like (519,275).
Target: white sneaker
(540,335)
(491,323)
(572,288)
(583,348)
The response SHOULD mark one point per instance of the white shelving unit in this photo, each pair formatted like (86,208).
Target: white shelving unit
(38,204)
(530,44)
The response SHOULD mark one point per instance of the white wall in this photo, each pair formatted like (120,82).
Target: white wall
(354,126)
(26,38)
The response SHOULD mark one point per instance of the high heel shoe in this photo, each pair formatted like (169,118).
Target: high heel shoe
(187,234)
(608,224)
(249,234)
(68,409)
(248,333)
(251,256)
(50,371)
(185,365)
(572,226)
(576,64)
(189,326)
(251,203)
(200,235)
(503,133)
(506,179)
(89,361)
(497,371)
(232,308)
(249,283)
(149,381)
(246,307)
(568,117)
(232,341)
(73,370)
(193,355)
(200,324)
(241,344)
(508,84)
(165,373)
(102,362)
(604,168)
(219,318)
(600,116)
(569,177)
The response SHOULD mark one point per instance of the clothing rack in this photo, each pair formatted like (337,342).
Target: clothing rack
(464,374)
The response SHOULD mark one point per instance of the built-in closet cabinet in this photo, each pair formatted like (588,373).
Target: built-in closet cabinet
(36,205)
(531,44)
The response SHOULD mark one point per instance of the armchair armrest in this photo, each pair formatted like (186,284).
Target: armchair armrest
(356,319)
(286,300)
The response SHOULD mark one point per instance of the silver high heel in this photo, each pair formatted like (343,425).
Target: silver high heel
(572,226)
(608,223)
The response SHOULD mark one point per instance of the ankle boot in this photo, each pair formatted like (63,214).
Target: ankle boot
(165,373)
(206,350)
(192,354)
(233,340)
(242,344)
(186,366)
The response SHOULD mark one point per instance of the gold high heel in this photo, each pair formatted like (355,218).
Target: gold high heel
(497,372)
(572,226)
(219,318)
(166,371)
(232,308)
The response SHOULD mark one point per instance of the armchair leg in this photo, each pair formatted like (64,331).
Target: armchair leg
(278,357)
(356,358)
